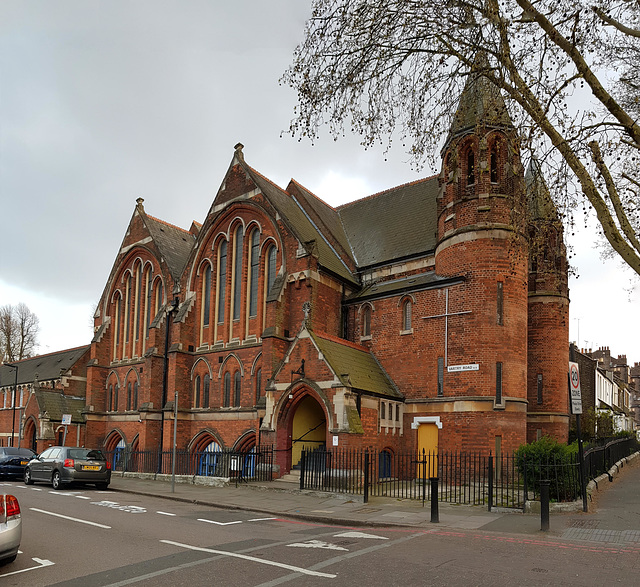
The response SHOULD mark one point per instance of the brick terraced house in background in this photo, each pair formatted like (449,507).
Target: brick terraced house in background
(432,315)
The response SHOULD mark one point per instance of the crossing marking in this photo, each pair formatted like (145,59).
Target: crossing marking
(360,535)
(318,544)
(41,564)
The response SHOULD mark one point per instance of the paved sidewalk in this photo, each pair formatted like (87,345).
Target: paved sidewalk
(284,499)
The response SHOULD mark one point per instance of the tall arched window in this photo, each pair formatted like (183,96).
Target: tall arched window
(110,399)
(138,302)
(271,268)
(258,384)
(135,395)
(196,393)
(237,272)
(149,317)
(237,383)
(222,280)
(366,321)
(493,165)
(159,296)
(129,396)
(206,387)
(226,393)
(255,272)
(471,167)
(115,397)
(406,315)
(117,309)
(127,315)
(206,295)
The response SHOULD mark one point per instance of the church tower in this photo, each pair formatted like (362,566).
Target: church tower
(548,315)
(481,238)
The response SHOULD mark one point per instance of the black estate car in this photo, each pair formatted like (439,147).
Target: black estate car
(13,460)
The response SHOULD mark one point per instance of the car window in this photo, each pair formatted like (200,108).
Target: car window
(84,453)
(46,454)
(55,453)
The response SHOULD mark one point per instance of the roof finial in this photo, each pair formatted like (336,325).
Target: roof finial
(139,203)
(239,153)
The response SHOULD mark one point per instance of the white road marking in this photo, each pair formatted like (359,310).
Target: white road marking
(261,519)
(360,535)
(70,518)
(131,509)
(252,559)
(165,514)
(219,523)
(83,497)
(318,544)
(41,564)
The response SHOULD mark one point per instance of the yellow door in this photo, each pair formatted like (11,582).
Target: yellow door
(427,450)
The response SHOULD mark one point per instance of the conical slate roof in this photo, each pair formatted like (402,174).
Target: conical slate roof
(480,103)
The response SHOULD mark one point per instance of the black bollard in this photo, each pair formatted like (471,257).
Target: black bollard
(435,517)
(544,505)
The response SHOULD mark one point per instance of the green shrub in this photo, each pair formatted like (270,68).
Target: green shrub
(548,459)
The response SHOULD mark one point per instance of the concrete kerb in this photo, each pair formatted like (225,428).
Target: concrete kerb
(593,485)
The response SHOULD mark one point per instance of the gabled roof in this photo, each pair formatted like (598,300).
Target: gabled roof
(46,367)
(56,404)
(327,215)
(297,220)
(173,242)
(410,283)
(398,223)
(355,366)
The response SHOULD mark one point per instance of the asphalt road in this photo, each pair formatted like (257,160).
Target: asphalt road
(85,537)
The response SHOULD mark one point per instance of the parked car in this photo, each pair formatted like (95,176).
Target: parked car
(10,528)
(13,460)
(61,465)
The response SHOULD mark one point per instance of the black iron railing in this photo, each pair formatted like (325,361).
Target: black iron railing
(254,465)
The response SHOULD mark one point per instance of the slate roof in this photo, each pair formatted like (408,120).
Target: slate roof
(398,223)
(355,366)
(55,405)
(45,366)
(300,224)
(396,287)
(480,103)
(328,216)
(174,244)
(539,200)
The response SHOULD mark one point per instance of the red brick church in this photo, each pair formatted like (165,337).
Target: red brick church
(432,315)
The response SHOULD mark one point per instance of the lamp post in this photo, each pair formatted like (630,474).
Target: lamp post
(15,391)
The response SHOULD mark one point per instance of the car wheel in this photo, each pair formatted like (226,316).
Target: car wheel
(27,477)
(9,559)
(56,481)
(102,486)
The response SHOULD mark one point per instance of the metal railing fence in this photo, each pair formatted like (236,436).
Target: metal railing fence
(254,465)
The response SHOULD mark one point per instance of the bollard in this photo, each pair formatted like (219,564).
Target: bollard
(435,517)
(544,505)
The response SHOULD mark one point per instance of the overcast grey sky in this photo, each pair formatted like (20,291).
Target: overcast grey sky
(105,101)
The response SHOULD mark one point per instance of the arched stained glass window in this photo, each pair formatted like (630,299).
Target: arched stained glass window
(237,273)
(271,268)
(222,281)
(237,383)
(226,394)
(206,295)
(196,393)
(206,389)
(255,272)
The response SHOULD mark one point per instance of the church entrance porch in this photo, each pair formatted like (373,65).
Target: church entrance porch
(302,426)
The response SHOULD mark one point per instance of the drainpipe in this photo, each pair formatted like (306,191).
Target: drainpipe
(165,371)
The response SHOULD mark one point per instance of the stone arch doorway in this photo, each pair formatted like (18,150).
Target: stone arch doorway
(308,428)
(30,435)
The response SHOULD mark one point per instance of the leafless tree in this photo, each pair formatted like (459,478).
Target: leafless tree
(19,329)
(567,70)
